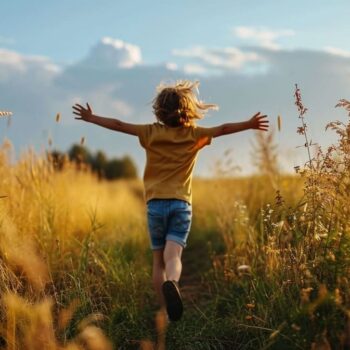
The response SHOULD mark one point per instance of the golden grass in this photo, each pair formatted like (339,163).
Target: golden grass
(52,223)
(73,248)
(47,219)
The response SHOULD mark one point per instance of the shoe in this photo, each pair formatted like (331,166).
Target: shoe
(173,300)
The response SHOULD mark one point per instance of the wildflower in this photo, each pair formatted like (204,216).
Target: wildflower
(344,103)
(302,110)
(301,130)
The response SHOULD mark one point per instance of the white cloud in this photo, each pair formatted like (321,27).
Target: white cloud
(114,53)
(263,37)
(12,59)
(171,66)
(230,58)
(103,102)
(13,64)
(337,51)
(25,62)
(194,69)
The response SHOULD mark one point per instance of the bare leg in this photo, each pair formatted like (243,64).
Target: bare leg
(172,260)
(158,274)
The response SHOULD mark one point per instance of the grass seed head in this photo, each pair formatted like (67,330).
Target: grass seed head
(279,122)
(5,114)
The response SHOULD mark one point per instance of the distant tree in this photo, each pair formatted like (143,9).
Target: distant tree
(113,169)
(129,169)
(109,169)
(99,162)
(80,154)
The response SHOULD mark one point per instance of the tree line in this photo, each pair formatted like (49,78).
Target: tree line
(98,162)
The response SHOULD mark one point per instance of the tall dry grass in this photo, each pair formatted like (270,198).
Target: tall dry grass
(292,269)
(74,250)
(61,238)
(75,260)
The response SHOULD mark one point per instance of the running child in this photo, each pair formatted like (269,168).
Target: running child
(172,144)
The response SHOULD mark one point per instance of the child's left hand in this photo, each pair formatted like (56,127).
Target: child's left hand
(259,122)
(84,113)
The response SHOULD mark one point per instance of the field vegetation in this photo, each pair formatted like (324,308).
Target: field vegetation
(267,264)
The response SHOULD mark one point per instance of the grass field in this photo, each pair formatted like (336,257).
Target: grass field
(267,264)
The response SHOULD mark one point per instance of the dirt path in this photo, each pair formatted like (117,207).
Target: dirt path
(196,262)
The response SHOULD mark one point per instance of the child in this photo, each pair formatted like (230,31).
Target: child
(172,144)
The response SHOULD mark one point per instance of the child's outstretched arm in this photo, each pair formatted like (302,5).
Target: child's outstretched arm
(257,121)
(109,123)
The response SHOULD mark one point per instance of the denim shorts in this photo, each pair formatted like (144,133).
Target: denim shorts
(168,220)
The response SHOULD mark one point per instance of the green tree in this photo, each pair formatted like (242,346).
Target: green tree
(113,169)
(109,169)
(99,162)
(80,154)
(129,169)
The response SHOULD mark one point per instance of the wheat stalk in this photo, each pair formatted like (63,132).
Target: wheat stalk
(5,114)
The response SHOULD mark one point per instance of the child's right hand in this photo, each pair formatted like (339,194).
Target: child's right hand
(259,122)
(84,113)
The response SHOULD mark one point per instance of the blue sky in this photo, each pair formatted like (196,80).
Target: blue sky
(247,55)
(64,30)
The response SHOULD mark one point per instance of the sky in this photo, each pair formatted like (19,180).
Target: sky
(65,30)
(246,54)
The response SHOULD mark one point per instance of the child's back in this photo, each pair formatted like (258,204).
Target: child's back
(171,156)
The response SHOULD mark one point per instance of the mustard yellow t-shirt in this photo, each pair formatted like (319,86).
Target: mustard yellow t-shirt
(171,154)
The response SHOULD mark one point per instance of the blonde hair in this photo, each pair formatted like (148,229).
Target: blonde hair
(178,104)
